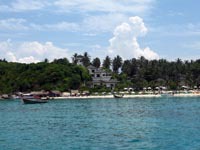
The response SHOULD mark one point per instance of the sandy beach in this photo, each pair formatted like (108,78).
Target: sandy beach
(187,95)
(108,96)
(130,96)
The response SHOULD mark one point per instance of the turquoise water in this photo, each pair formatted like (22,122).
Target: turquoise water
(101,124)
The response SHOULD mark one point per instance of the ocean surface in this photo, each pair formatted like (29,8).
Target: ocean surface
(101,124)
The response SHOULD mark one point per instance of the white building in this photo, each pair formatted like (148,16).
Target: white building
(101,77)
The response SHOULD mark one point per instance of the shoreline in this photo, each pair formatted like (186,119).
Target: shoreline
(125,96)
(128,96)
(107,96)
(187,95)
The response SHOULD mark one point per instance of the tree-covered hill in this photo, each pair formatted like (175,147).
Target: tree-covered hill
(63,76)
(57,75)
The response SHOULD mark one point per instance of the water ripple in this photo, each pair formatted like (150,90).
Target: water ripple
(150,124)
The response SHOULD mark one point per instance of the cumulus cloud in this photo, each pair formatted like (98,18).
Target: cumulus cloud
(11,57)
(28,60)
(124,41)
(29,52)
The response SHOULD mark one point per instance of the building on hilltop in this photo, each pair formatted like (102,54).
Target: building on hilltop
(101,77)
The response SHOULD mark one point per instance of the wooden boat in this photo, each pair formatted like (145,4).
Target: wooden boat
(33,101)
(30,99)
(118,96)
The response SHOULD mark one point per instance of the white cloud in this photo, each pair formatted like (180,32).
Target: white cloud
(97,15)
(24,5)
(28,60)
(94,15)
(91,24)
(11,57)
(60,26)
(4,8)
(13,24)
(124,42)
(126,6)
(28,52)
(19,24)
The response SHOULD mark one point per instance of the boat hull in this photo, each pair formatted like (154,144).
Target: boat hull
(118,96)
(33,101)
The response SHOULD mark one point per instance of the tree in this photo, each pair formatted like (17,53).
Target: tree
(117,63)
(74,60)
(107,62)
(126,67)
(96,62)
(46,60)
(63,61)
(86,59)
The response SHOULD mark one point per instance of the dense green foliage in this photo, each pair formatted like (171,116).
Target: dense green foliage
(96,62)
(107,62)
(86,59)
(62,75)
(117,63)
(57,75)
(143,73)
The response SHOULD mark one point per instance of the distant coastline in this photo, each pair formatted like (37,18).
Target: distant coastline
(109,96)
(85,77)
(130,96)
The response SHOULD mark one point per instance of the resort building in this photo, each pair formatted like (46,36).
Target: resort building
(101,77)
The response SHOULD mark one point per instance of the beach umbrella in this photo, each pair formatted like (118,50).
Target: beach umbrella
(130,89)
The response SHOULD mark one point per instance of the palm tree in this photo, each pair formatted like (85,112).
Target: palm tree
(86,59)
(96,62)
(107,62)
(126,67)
(117,63)
(74,60)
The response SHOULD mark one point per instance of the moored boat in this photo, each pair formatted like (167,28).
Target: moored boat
(33,99)
(118,96)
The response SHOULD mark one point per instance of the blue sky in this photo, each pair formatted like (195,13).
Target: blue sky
(32,30)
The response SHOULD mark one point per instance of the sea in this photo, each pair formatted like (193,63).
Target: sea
(101,124)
